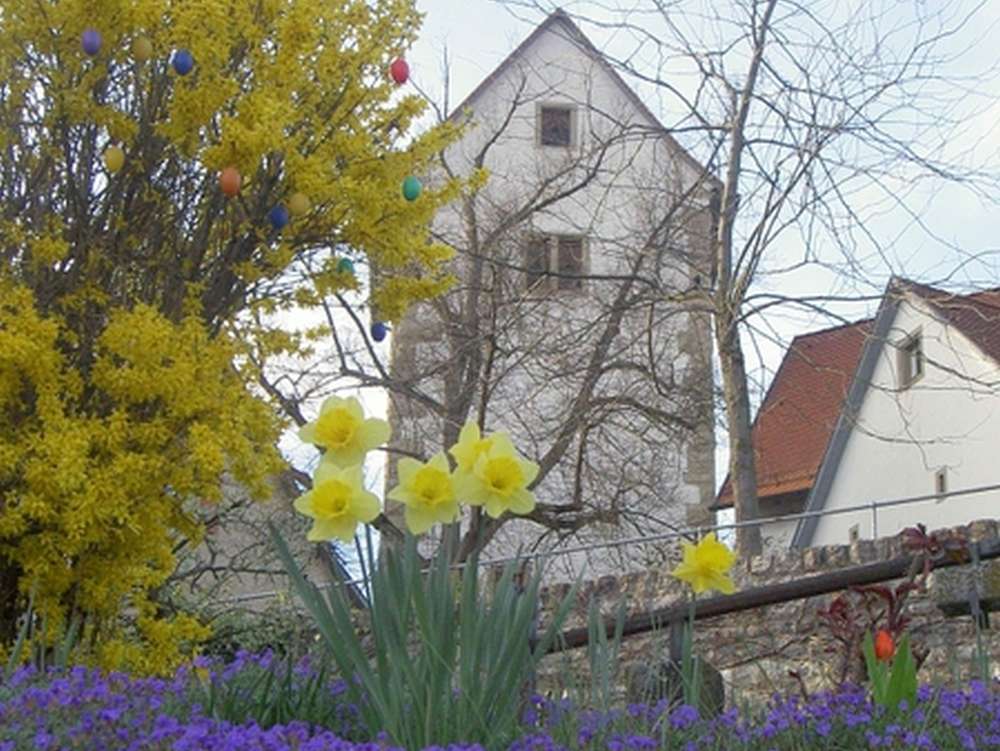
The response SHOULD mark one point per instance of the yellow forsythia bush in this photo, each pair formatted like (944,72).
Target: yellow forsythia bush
(149,146)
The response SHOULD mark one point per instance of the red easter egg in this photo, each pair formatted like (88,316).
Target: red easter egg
(399,70)
(229,181)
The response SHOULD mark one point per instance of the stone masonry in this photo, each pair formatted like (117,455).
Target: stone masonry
(756,650)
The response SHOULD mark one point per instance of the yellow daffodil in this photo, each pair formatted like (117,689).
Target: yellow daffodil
(706,565)
(343,431)
(337,502)
(470,447)
(499,479)
(427,492)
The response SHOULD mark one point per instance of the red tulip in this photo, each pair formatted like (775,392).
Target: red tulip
(885,647)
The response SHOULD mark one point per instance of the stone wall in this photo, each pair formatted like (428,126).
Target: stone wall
(755,650)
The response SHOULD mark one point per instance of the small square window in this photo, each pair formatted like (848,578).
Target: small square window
(555,126)
(911,360)
(554,262)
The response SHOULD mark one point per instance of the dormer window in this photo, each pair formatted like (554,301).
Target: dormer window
(556,125)
(911,360)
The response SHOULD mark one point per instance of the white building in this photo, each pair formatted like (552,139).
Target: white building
(905,405)
(560,328)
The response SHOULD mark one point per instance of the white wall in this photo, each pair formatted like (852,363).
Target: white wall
(949,418)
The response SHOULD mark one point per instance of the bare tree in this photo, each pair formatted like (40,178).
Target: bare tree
(817,118)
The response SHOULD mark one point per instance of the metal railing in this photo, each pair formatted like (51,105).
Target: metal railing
(688,533)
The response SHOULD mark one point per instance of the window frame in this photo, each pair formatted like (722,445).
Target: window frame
(910,351)
(540,110)
(552,280)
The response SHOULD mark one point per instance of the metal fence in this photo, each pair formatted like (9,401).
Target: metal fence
(689,533)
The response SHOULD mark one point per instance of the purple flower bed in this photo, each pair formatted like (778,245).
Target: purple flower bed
(84,709)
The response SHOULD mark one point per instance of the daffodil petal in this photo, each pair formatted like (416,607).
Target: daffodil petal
(367,506)
(418,521)
(494,506)
(522,502)
(375,432)
(326,470)
(307,433)
(406,469)
(303,504)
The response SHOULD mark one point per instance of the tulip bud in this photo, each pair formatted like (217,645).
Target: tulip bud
(885,647)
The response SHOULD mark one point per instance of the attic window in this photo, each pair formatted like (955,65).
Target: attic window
(555,125)
(911,360)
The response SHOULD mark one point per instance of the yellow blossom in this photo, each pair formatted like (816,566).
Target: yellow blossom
(706,565)
(130,353)
(343,431)
(427,492)
(337,502)
(469,447)
(499,479)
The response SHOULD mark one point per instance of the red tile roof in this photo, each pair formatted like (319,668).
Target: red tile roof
(800,411)
(793,425)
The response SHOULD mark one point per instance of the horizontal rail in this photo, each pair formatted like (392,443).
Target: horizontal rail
(771,594)
(688,532)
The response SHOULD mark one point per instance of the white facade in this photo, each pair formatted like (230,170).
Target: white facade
(943,427)
(638,449)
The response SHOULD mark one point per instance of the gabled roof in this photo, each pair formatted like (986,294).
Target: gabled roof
(800,410)
(976,315)
(560,22)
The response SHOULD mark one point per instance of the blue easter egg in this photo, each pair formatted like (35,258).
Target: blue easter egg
(411,188)
(379,331)
(278,216)
(345,266)
(91,41)
(183,62)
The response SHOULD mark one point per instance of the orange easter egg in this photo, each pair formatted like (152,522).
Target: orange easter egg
(229,181)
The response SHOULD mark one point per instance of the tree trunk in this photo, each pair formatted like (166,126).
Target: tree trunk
(742,466)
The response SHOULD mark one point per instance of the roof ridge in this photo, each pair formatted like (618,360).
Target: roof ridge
(831,329)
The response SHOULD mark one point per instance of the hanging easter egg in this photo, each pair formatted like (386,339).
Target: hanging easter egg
(411,188)
(400,71)
(299,204)
(229,181)
(142,49)
(278,216)
(379,331)
(91,41)
(344,266)
(114,158)
(183,62)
